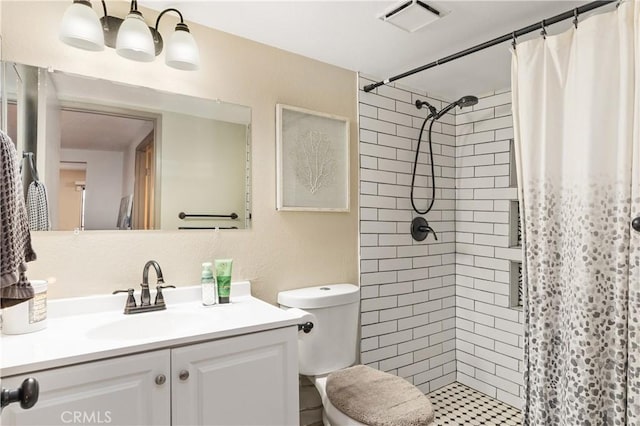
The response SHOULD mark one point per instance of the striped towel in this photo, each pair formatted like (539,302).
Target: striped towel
(38,207)
(15,240)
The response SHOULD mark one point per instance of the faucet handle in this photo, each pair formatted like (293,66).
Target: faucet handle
(159,297)
(131,301)
(430,229)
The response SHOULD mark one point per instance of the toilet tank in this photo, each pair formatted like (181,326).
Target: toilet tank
(331,344)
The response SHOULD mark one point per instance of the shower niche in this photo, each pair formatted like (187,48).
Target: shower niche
(515,227)
(515,284)
(515,235)
(515,241)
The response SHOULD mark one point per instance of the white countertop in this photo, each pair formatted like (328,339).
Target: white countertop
(91,328)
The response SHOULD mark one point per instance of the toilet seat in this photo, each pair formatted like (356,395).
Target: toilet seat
(361,395)
(330,414)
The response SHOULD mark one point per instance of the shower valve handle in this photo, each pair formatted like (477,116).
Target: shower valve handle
(635,223)
(420,229)
(428,230)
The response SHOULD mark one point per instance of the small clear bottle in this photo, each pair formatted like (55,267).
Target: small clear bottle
(208,282)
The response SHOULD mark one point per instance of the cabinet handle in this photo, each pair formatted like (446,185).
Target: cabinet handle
(184,375)
(161,379)
(27,394)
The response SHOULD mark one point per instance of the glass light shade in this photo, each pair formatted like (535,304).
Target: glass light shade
(182,51)
(81,28)
(134,39)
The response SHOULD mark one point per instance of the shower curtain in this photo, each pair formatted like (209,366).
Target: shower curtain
(576,105)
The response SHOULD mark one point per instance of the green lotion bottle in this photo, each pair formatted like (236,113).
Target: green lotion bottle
(223,279)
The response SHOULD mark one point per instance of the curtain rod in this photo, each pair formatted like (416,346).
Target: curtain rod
(574,13)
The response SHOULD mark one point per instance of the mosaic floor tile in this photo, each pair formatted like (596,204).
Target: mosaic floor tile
(457,404)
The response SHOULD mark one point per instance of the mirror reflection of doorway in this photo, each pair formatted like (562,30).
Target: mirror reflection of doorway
(143,194)
(118,150)
(71,195)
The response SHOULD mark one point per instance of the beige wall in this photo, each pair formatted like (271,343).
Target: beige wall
(282,250)
(204,172)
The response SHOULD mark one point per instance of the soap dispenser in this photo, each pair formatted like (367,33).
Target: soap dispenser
(208,282)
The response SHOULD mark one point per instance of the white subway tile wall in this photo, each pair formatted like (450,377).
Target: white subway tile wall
(408,287)
(435,312)
(488,331)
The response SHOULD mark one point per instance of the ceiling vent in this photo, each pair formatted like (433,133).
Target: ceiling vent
(411,15)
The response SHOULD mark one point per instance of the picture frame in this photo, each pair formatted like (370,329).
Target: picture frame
(312,156)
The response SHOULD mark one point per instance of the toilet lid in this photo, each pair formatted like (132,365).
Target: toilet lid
(334,416)
(377,398)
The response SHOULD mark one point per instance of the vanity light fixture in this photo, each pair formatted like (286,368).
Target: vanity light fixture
(81,27)
(131,37)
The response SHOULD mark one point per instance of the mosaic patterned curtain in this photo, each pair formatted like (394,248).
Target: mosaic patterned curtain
(576,100)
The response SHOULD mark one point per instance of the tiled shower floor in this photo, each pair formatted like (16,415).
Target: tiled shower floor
(457,404)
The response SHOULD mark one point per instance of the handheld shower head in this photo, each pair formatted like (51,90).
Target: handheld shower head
(419,104)
(465,101)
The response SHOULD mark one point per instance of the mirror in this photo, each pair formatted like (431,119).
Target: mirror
(116,156)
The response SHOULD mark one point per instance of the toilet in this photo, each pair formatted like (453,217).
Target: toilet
(330,347)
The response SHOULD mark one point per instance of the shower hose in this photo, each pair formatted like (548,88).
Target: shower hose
(415,165)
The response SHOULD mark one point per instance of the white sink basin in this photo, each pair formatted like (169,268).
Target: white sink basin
(147,325)
(91,328)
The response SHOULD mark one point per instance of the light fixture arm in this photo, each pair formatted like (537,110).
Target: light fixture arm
(182,50)
(180,27)
(157,38)
(111,25)
(165,11)
(104,20)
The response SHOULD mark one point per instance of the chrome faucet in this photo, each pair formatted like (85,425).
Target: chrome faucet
(145,296)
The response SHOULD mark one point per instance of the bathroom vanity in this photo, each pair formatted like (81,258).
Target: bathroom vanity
(220,365)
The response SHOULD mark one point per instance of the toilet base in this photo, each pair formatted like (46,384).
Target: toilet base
(330,414)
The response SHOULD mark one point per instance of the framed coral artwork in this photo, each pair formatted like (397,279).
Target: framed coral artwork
(312,160)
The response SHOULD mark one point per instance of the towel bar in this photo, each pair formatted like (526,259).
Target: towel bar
(183,215)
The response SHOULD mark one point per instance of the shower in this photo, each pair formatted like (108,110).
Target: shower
(419,226)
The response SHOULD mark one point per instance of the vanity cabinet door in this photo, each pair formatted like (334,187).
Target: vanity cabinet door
(246,380)
(117,391)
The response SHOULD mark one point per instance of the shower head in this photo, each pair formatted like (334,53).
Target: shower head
(465,101)
(432,109)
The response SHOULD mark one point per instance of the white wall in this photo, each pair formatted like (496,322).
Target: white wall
(203,170)
(103,185)
(488,332)
(281,251)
